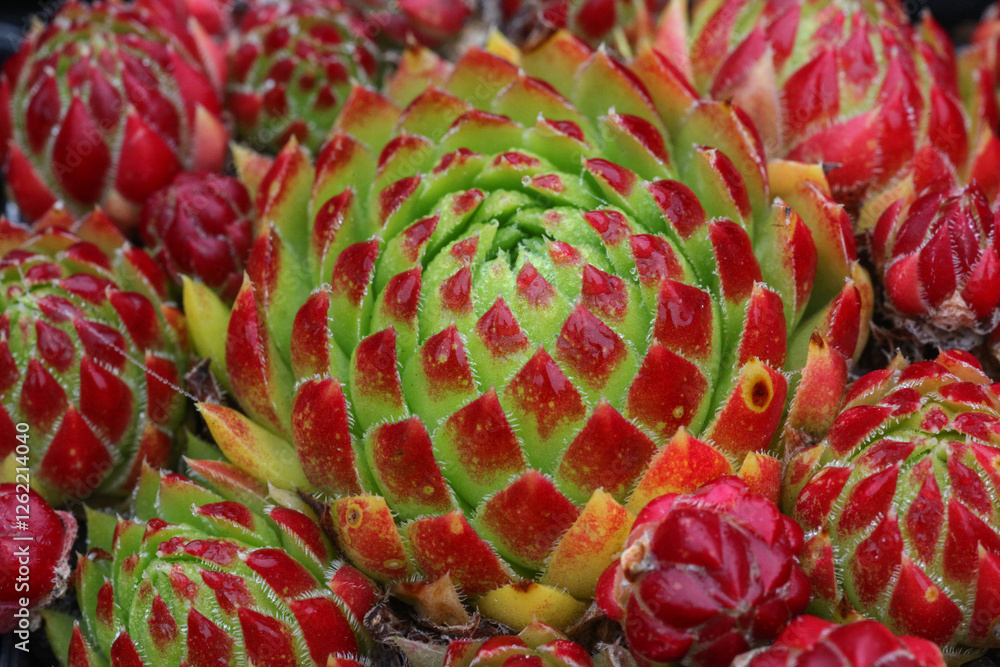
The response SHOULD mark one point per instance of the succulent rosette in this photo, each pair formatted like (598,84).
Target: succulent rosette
(849,83)
(706,576)
(104,106)
(292,65)
(91,357)
(812,641)
(201,225)
(938,261)
(490,319)
(896,498)
(35,546)
(215,574)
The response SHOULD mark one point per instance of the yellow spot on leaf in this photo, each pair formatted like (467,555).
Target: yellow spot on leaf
(354,515)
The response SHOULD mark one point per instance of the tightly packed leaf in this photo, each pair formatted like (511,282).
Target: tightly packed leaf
(105,105)
(897,503)
(90,356)
(201,225)
(846,82)
(292,65)
(706,576)
(35,546)
(938,259)
(477,321)
(214,575)
(809,641)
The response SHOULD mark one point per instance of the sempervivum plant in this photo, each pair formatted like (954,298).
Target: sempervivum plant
(216,574)
(809,641)
(292,65)
(538,645)
(90,356)
(35,545)
(706,576)
(898,504)
(477,321)
(201,225)
(938,261)
(105,105)
(845,82)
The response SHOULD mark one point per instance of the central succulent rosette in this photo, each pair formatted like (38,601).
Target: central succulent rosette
(485,321)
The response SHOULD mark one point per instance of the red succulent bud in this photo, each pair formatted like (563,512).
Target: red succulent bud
(201,225)
(35,543)
(938,260)
(809,641)
(292,66)
(706,576)
(896,501)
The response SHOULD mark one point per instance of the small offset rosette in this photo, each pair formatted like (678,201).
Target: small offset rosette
(937,258)
(36,543)
(200,226)
(292,65)
(898,502)
(92,357)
